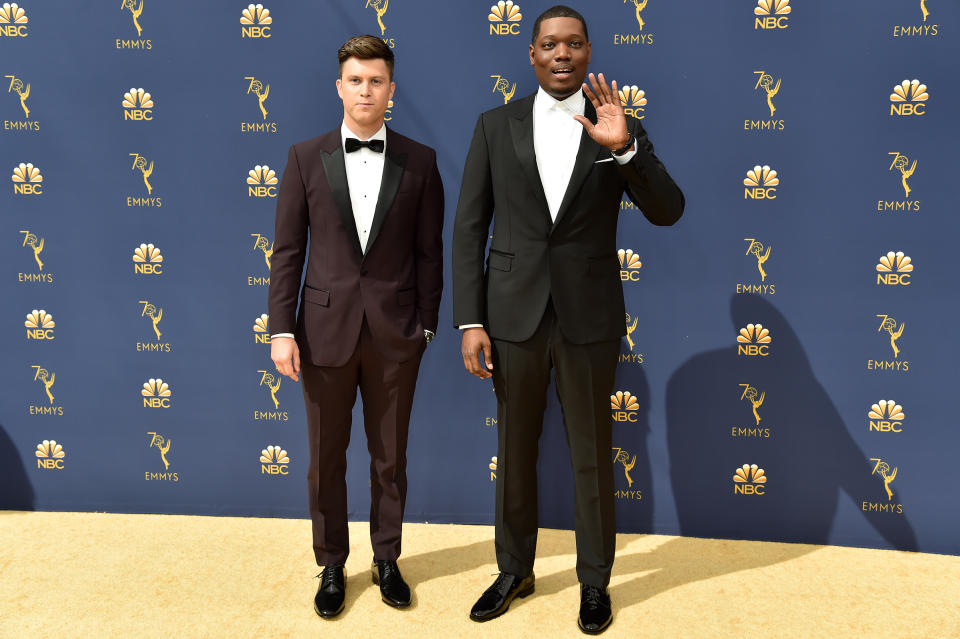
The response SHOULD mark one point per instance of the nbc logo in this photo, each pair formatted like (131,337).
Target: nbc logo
(13,21)
(156,393)
(27,179)
(255,22)
(909,98)
(749,479)
(886,416)
(261,334)
(137,105)
(502,85)
(262,182)
(40,325)
(630,265)
(274,461)
(624,407)
(49,455)
(147,260)
(493,468)
(388,114)
(894,269)
(633,99)
(771,14)
(754,340)
(761,183)
(505,18)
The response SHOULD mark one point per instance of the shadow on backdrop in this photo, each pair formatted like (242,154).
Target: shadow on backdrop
(800,441)
(16,492)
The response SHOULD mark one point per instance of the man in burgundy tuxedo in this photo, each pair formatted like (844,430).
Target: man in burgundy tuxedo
(369,204)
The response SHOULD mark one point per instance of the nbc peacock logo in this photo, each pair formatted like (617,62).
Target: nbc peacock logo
(262,182)
(147,260)
(138,105)
(754,340)
(502,84)
(894,269)
(624,407)
(630,265)
(886,416)
(909,98)
(749,479)
(27,179)
(274,461)
(156,393)
(255,22)
(772,14)
(49,455)
(261,329)
(13,21)
(633,99)
(492,466)
(40,325)
(504,18)
(761,183)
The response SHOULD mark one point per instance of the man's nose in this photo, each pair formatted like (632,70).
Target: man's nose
(561,52)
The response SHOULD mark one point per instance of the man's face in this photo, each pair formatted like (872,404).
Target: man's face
(365,88)
(560,56)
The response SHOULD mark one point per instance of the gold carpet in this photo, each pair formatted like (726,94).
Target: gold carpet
(171,577)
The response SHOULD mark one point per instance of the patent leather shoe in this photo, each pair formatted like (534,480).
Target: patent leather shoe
(496,599)
(332,591)
(393,589)
(595,613)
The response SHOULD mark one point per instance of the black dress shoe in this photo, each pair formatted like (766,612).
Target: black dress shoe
(331,593)
(595,613)
(393,589)
(496,599)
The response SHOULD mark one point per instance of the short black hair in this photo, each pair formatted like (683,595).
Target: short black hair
(559,11)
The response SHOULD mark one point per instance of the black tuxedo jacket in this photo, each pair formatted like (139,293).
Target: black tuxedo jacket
(396,283)
(572,261)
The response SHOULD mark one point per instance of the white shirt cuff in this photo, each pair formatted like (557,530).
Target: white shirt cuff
(626,157)
(290,335)
(464,327)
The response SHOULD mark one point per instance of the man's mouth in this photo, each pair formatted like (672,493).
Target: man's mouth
(562,72)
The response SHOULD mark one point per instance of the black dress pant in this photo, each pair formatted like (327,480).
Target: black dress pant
(585,376)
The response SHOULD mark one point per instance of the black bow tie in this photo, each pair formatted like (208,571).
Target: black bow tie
(353,144)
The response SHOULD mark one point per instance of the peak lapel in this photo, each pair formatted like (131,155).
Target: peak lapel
(336,171)
(586,156)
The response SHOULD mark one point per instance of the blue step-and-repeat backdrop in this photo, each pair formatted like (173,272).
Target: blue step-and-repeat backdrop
(791,360)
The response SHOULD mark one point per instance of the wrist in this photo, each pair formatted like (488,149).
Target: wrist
(623,147)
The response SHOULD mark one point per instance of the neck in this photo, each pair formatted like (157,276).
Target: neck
(560,97)
(365,132)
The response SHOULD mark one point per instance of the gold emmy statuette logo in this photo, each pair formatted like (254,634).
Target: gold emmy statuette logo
(156,393)
(140,162)
(261,330)
(923,8)
(273,385)
(31,240)
(755,398)
(771,14)
(640,5)
(502,85)
(900,163)
(46,378)
(13,21)
(755,248)
(504,18)
(633,99)
(163,445)
(889,324)
(621,456)
(749,479)
(49,455)
(630,265)
(135,11)
(909,98)
(765,82)
(754,340)
(273,461)
(17,86)
(624,407)
(255,22)
(27,179)
(147,260)
(40,325)
(882,468)
(894,269)
(761,183)
(261,243)
(380,6)
(493,468)
(631,327)
(137,105)
(886,416)
(256,88)
(155,315)
(262,182)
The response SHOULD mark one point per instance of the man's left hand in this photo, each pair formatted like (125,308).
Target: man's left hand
(611,127)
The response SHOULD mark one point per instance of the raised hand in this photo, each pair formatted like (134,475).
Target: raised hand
(611,127)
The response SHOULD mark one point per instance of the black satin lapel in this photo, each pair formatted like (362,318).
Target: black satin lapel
(393,166)
(586,155)
(336,172)
(521,130)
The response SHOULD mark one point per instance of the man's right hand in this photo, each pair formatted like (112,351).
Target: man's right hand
(474,342)
(286,356)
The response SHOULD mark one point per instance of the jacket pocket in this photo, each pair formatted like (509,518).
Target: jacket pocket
(316,295)
(406,297)
(499,260)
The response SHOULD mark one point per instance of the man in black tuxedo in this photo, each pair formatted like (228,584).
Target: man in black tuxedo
(550,171)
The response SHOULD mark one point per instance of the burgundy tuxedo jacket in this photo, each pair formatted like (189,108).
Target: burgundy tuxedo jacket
(396,283)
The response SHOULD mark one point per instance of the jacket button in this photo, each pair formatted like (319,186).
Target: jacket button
(363,271)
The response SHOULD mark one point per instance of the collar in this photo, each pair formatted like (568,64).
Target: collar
(574,104)
(345,133)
